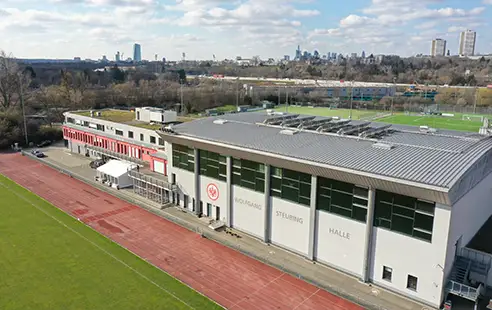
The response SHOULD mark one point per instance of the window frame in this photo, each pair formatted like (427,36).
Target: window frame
(286,184)
(412,282)
(387,271)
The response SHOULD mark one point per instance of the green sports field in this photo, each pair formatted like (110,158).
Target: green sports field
(439,122)
(321,111)
(49,260)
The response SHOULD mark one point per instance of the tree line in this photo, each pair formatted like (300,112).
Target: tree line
(45,91)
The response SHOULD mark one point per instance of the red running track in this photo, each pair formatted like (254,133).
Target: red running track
(232,279)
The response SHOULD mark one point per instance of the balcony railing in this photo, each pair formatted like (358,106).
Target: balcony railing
(463,290)
(477,256)
(116,154)
(152,181)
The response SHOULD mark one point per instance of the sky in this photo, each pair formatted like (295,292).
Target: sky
(64,29)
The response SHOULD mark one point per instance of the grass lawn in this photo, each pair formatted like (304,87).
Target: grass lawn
(48,260)
(439,122)
(117,116)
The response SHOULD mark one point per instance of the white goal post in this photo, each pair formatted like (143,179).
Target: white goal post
(471,117)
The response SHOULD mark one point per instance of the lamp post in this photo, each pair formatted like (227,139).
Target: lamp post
(21,97)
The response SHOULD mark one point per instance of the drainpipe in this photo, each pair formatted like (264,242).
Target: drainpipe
(368,236)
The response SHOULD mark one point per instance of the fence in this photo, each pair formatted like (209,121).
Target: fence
(283,266)
(477,256)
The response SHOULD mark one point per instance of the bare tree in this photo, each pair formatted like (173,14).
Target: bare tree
(13,82)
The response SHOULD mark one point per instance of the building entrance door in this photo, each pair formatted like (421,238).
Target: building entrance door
(217,213)
(209,210)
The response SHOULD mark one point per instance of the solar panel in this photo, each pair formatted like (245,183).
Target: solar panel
(352,129)
(374,132)
(279,119)
(332,126)
(294,122)
(313,124)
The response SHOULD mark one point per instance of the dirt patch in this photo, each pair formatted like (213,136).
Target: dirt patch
(108,202)
(110,227)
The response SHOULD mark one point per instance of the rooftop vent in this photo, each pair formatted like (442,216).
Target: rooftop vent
(288,132)
(220,121)
(427,129)
(383,146)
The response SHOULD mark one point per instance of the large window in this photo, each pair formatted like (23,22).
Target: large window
(404,214)
(342,198)
(291,185)
(119,132)
(213,165)
(248,174)
(183,157)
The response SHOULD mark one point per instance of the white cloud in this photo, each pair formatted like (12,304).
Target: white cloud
(264,27)
(399,22)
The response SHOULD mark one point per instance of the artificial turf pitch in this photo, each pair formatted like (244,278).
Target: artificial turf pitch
(49,260)
(438,122)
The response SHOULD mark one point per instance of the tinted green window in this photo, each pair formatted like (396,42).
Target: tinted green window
(404,214)
(213,165)
(291,185)
(424,222)
(338,197)
(250,174)
(183,157)
(402,224)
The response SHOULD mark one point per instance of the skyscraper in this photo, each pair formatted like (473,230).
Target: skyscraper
(137,52)
(438,47)
(467,43)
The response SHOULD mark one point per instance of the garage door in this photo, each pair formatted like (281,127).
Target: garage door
(158,166)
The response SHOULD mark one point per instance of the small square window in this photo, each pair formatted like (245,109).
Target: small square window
(387,273)
(412,282)
(130,134)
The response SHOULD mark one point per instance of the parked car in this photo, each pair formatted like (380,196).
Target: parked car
(96,163)
(37,153)
(44,143)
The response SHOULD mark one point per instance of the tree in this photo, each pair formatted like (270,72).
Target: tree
(182,76)
(13,82)
(117,75)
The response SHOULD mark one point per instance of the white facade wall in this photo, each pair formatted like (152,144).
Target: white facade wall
(339,242)
(185,180)
(410,256)
(220,202)
(111,127)
(290,225)
(468,215)
(248,211)
(159,166)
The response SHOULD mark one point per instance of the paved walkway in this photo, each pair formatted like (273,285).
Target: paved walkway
(233,280)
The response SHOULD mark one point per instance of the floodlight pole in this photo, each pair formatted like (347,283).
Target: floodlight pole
(181,95)
(475,103)
(351,97)
(21,95)
(237,93)
(286,99)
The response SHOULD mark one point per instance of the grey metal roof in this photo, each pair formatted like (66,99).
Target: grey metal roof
(439,159)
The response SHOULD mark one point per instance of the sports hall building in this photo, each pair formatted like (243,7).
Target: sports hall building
(396,206)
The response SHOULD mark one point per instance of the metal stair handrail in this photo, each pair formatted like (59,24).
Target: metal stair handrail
(462,290)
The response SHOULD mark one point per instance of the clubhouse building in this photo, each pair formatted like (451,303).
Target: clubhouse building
(396,206)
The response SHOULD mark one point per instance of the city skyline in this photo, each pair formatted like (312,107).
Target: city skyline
(91,28)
